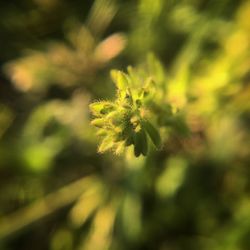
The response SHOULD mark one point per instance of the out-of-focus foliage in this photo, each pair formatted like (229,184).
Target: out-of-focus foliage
(58,192)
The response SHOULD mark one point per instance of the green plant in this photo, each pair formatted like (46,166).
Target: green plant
(139,112)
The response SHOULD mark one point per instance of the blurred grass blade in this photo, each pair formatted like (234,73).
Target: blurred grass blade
(24,217)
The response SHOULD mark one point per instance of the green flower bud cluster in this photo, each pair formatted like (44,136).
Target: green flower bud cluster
(125,122)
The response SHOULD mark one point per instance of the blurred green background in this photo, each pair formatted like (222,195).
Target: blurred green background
(57,192)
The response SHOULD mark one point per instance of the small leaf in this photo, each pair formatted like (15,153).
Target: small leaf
(128,135)
(129,140)
(140,146)
(119,148)
(113,75)
(120,79)
(106,144)
(100,108)
(99,122)
(137,145)
(152,132)
(155,68)
(133,75)
(128,97)
(145,142)
(102,132)
(115,118)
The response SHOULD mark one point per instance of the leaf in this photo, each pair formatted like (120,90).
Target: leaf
(133,75)
(128,135)
(119,148)
(100,108)
(129,140)
(120,79)
(140,146)
(153,133)
(155,68)
(145,143)
(115,117)
(113,75)
(101,132)
(99,122)
(137,145)
(106,144)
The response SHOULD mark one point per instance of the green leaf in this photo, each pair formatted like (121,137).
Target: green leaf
(141,145)
(101,132)
(153,133)
(155,68)
(115,117)
(145,142)
(129,140)
(133,75)
(137,145)
(119,148)
(99,122)
(106,144)
(120,79)
(100,108)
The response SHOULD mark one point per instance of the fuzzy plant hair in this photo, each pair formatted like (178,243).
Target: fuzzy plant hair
(138,113)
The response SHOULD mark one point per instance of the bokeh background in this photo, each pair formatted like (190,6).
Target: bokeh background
(57,192)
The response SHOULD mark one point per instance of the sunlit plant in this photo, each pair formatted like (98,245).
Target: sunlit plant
(138,113)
